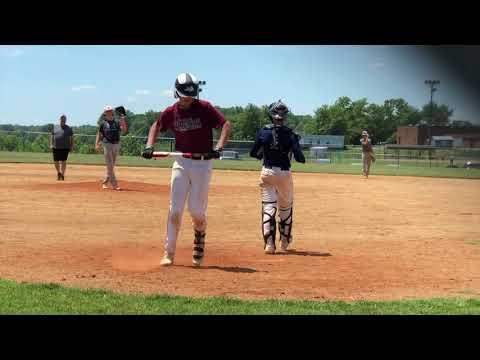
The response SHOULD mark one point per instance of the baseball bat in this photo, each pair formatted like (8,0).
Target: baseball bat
(160,154)
(168,153)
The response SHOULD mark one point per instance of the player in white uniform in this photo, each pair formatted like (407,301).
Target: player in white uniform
(192,121)
(275,144)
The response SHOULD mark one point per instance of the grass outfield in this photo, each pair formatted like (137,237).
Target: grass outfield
(32,299)
(345,168)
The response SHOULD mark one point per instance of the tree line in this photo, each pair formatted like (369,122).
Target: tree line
(345,117)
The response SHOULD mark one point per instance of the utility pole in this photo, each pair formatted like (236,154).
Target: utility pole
(432,84)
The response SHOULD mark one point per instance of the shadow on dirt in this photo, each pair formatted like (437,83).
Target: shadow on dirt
(224,268)
(303,253)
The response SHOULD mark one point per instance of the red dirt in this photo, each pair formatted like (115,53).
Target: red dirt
(383,238)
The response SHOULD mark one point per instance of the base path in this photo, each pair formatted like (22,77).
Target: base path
(382,238)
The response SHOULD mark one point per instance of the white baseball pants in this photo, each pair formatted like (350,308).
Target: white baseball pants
(190,180)
(277,191)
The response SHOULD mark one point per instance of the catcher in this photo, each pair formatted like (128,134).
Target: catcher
(275,144)
(367,153)
(109,128)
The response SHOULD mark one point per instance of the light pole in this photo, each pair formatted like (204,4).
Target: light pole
(432,84)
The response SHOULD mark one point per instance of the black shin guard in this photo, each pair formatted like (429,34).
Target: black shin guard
(272,224)
(285,226)
(198,245)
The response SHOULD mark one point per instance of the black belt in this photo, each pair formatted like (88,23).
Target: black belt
(272,166)
(199,157)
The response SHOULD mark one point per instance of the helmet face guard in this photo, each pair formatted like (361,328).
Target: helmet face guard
(278,111)
(186,85)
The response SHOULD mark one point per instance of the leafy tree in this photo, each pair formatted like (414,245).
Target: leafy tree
(132,145)
(438,115)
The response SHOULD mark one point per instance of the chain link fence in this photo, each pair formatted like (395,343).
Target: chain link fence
(31,141)
(451,157)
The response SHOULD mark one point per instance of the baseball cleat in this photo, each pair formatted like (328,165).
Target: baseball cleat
(59,176)
(270,249)
(284,245)
(104,186)
(197,261)
(118,188)
(166,261)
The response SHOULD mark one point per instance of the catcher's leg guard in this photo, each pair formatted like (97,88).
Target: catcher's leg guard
(198,247)
(269,224)
(285,225)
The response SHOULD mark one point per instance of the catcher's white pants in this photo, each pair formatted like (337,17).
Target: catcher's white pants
(190,179)
(277,190)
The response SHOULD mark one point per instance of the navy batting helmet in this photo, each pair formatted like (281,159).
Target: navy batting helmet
(278,111)
(186,84)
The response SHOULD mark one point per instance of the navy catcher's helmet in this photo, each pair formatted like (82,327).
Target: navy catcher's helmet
(186,84)
(278,111)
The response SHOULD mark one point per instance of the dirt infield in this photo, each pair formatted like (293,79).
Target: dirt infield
(381,238)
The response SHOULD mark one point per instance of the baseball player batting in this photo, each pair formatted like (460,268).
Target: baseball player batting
(192,121)
(275,144)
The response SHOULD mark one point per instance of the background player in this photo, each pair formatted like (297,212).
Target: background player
(192,121)
(275,143)
(109,128)
(367,153)
(61,143)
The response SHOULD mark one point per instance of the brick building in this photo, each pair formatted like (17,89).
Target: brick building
(441,136)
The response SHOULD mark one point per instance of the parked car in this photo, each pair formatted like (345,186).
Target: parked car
(229,155)
(471,165)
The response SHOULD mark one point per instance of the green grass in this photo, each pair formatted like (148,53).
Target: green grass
(378,168)
(24,298)
(81,159)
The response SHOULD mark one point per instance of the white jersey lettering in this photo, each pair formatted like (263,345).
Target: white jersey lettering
(187,124)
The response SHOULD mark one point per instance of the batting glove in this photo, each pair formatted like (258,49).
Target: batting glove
(148,152)
(216,153)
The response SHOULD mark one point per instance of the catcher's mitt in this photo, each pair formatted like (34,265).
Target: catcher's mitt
(120,110)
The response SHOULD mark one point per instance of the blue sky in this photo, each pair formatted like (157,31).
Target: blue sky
(38,83)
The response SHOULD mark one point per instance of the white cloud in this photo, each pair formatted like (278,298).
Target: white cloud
(167,93)
(376,65)
(131,99)
(83,87)
(11,51)
(142,92)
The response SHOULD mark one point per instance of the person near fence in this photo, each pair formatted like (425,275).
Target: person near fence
(367,153)
(275,144)
(61,143)
(192,121)
(109,128)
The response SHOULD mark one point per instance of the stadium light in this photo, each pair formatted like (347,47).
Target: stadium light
(431,84)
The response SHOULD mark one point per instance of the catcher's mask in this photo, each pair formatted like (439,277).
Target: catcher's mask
(278,111)
(186,85)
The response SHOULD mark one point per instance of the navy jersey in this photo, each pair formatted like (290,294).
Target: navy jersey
(110,131)
(275,144)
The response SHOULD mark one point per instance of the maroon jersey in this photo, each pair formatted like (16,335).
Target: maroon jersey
(192,127)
